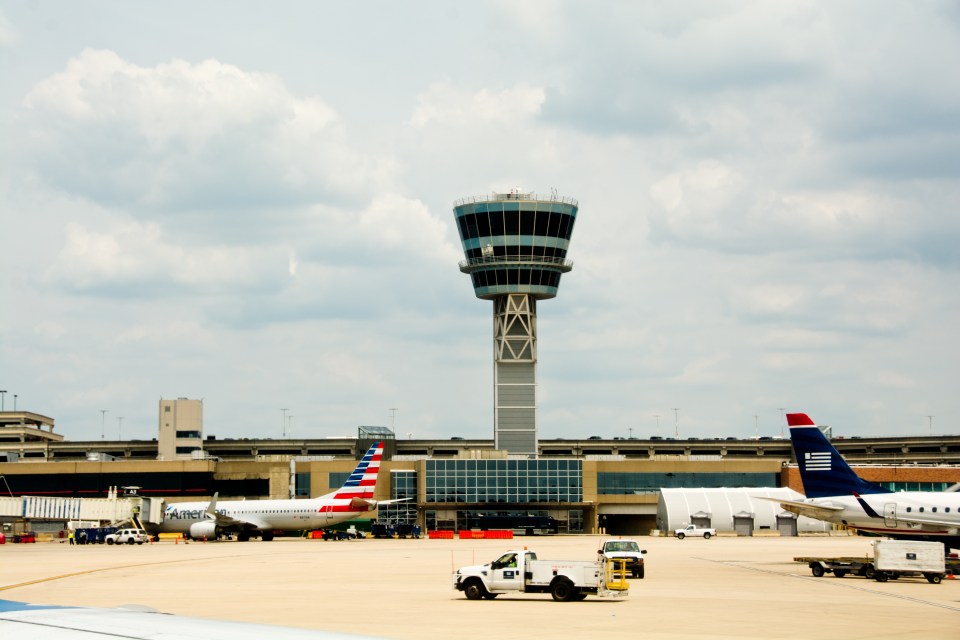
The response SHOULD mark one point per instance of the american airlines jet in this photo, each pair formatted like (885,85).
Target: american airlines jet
(835,493)
(263,517)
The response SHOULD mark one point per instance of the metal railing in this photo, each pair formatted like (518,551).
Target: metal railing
(482,261)
(508,197)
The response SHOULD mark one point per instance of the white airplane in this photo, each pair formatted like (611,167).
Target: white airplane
(51,622)
(208,520)
(835,493)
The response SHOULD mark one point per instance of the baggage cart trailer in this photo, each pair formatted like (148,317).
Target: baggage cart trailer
(891,560)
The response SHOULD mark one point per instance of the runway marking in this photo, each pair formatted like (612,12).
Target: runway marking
(838,582)
(101,569)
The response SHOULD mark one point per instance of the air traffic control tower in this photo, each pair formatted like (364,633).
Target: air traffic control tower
(515,246)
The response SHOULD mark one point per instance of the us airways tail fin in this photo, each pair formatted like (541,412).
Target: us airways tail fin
(823,470)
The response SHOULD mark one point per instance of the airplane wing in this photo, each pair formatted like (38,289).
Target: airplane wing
(47,622)
(821,511)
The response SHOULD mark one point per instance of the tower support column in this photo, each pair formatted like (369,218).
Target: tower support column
(515,373)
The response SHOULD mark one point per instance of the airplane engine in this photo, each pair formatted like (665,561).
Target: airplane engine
(203,530)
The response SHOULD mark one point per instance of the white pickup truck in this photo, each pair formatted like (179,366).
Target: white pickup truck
(628,551)
(694,531)
(521,572)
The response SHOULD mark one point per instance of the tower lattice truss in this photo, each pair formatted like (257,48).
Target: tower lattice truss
(515,328)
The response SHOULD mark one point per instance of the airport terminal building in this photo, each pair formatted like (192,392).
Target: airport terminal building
(621,486)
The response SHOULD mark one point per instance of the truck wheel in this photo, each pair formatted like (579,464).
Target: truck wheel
(474,590)
(839,573)
(817,570)
(109,540)
(933,578)
(638,573)
(881,576)
(868,572)
(562,591)
(130,541)
(680,536)
(706,536)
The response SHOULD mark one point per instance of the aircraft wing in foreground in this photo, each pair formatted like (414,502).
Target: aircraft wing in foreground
(43,622)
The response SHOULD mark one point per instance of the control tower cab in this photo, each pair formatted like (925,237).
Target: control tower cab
(515,245)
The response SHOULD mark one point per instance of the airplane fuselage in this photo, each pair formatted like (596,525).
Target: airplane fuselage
(897,514)
(260,514)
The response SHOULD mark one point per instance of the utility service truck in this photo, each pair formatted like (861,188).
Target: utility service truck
(694,531)
(521,572)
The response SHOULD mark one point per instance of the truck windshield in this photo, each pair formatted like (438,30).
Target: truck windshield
(622,546)
(506,560)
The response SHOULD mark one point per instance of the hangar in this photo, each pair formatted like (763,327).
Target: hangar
(733,509)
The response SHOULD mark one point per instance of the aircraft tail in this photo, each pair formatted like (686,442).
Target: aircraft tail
(823,470)
(362,483)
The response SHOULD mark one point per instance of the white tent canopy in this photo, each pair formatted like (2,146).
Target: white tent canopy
(679,507)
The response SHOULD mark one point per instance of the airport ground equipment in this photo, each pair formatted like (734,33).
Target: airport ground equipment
(521,572)
(891,560)
(127,536)
(628,551)
(693,531)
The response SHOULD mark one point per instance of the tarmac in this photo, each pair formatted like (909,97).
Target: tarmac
(726,587)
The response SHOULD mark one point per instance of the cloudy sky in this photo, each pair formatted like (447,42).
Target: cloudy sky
(251,203)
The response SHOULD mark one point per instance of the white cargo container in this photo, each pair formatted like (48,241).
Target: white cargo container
(893,558)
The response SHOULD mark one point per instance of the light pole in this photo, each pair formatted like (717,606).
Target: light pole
(119,427)
(289,425)
(657,416)
(676,422)
(393,417)
(930,420)
(756,427)
(284,424)
(14,402)
(103,423)
(3,393)
(781,409)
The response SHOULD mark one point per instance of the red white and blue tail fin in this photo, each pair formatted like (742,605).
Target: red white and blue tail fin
(823,470)
(357,492)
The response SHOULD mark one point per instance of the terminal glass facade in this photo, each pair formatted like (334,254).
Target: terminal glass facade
(504,481)
(632,483)
(915,486)
(403,485)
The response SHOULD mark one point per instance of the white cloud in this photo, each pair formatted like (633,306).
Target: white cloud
(8,35)
(767,212)
(188,135)
(449,106)
(137,259)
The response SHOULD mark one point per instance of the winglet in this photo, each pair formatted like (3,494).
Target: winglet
(211,509)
